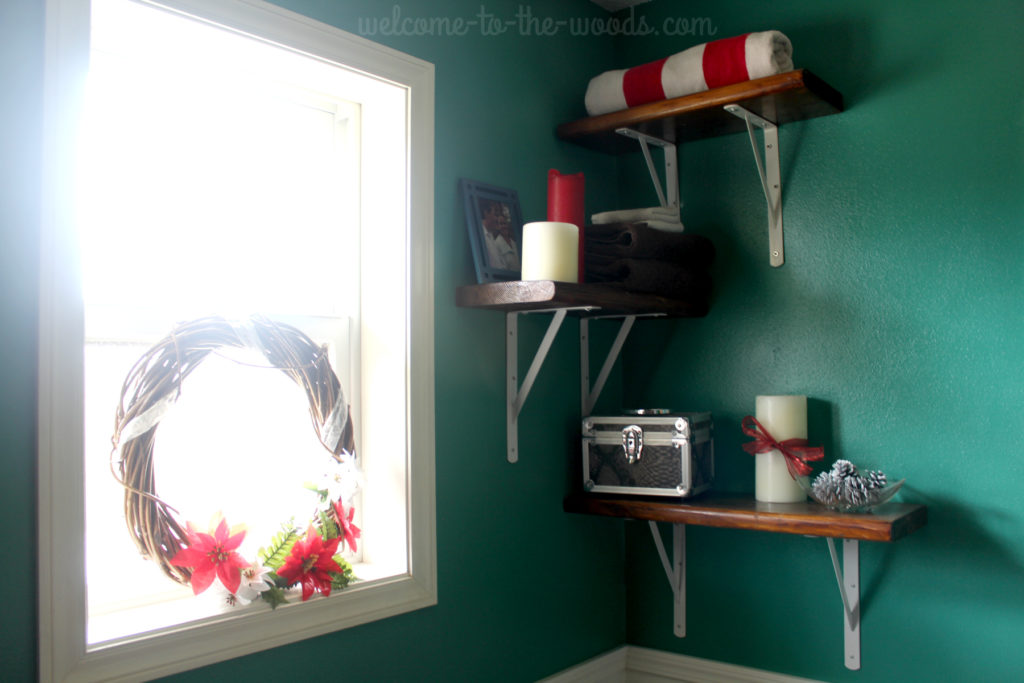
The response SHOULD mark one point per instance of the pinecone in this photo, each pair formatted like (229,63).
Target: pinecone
(843,488)
(827,488)
(843,469)
(876,479)
(855,491)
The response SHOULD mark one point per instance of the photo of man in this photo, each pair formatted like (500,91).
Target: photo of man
(499,241)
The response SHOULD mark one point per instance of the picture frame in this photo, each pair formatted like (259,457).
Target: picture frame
(495,224)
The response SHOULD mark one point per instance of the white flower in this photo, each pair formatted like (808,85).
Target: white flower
(253,583)
(220,596)
(342,480)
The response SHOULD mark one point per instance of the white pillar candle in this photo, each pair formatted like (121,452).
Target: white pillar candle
(784,417)
(551,251)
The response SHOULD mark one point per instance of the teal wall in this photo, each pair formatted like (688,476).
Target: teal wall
(524,590)
(897,312)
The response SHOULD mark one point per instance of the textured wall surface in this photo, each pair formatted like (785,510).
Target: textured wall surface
(899,312)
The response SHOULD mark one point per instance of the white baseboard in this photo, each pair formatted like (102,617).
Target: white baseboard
(630,664)
(607,668)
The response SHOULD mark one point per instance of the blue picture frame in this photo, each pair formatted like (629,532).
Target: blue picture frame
(495,224)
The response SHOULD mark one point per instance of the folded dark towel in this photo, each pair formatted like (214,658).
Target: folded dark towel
(638,241)
(651,276)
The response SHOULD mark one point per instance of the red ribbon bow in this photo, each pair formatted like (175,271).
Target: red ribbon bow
(796,451)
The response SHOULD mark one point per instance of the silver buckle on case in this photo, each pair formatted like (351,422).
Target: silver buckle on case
(632,442)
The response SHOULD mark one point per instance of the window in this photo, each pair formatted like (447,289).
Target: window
(252,125)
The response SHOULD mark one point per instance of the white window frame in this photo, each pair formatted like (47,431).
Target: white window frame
(62,591)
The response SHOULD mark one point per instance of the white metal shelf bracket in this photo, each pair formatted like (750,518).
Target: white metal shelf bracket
(771,180)
(676,572)
(588,394)
(670,195)
(849,590)
(517,394)
(848,578)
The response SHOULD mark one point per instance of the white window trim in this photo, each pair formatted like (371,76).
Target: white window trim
(62,599)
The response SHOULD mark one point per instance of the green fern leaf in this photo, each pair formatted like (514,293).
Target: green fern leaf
(328,527)
(340,580)
(280,547)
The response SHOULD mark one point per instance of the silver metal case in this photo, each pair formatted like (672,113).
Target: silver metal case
(662,455)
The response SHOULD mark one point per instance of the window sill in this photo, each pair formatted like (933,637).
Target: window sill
(217,638)
(180,609)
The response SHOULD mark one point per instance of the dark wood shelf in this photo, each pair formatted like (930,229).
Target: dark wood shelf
(791,96)
(888,522)
(588,299)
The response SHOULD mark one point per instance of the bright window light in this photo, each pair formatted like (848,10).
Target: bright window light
(228,157)
(222,175)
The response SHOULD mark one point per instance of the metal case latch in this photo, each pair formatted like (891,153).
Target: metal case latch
(632,442)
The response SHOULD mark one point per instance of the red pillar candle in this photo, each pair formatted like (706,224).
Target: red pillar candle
(565,204)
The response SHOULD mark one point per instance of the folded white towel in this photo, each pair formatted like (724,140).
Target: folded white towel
(630,215)
(710,65)
(626,215)
(664,218)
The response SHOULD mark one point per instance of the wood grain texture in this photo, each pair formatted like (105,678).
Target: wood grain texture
(588,299)
(790,96)
(888,522)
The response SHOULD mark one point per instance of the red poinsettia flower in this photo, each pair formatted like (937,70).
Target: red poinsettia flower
(311,562)
(350,530)
(211,556)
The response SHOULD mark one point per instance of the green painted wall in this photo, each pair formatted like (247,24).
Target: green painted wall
(524,590)
(899,311)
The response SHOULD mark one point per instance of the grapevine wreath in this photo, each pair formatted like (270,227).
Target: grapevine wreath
(308,556)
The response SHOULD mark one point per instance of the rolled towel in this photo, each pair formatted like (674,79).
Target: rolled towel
(652,276)
(701,67)
(638,241)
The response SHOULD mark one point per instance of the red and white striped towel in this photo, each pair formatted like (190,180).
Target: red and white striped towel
(710,65)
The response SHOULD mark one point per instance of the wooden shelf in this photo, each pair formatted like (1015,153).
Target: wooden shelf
(561,298)
(888,522)
(790,96)
(587,300)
